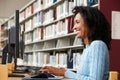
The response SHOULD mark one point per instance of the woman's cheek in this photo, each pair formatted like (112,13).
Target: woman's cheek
(79,35)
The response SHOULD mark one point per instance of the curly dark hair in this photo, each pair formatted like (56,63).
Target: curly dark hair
(98,26)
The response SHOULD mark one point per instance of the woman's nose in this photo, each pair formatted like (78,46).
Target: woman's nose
(74,27)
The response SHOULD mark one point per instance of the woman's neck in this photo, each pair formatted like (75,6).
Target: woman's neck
(86,41)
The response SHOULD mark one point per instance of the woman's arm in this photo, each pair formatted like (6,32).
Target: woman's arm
(70,74)
(53,70)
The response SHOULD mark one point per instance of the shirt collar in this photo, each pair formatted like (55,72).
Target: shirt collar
(87,45)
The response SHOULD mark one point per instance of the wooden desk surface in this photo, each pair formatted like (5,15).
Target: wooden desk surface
(16,78)
(20,78)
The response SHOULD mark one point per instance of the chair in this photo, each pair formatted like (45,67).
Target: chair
(113,75)
(3,72)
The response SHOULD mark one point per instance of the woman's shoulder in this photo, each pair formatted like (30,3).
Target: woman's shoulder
(98,43)
(98,46)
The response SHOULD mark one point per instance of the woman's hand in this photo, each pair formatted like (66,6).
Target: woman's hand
(53,70)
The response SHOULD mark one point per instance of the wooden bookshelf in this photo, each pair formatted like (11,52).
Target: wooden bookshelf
(3,37)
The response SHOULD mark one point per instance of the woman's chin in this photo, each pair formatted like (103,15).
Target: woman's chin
(78,36)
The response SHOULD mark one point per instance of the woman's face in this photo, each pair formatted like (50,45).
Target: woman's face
(80,26)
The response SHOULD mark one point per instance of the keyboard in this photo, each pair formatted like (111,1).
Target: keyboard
(42,75)
(16,75)
(20,71)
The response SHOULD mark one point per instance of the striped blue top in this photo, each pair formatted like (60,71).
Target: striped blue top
(94,63)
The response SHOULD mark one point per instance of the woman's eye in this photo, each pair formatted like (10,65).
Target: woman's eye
(76,22)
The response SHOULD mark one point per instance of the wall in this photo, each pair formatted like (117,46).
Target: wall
(7,7)
(107,6)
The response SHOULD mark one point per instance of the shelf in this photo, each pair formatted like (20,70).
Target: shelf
(57,20)
(37,26)
(22,21)
(29,43)
(28,31)
(58,2)
(27,5)
(2,40)
(29,17)
(56,49)
(62,48)
(8,19)
(46,23)
(53,5)
(62,36)
(28,51)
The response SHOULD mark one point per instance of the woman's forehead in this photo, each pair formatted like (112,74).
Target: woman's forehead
(78,16)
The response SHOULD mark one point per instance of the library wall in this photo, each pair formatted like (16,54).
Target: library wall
(7,7)
(107,6)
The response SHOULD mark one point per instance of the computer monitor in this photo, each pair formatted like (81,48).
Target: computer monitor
(11,50)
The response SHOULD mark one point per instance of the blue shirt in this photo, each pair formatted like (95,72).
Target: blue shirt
(94,63)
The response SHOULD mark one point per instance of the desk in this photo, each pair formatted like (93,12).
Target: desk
(16,78)
(20,78)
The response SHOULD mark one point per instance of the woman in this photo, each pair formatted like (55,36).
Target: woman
(94,29)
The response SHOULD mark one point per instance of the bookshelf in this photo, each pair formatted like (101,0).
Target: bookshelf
(48,35)
(48,32)
(3,36)
(4,33)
